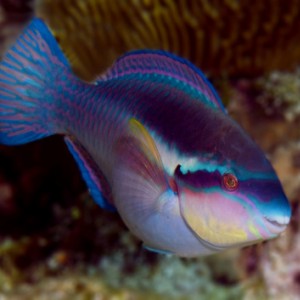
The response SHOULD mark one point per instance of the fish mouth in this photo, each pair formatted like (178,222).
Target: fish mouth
(277,225)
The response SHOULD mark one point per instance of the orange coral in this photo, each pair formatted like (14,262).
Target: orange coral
(232,37)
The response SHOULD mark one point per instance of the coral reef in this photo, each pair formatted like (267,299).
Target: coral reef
(280,94)
(222,37)
(91,253)
(280,263)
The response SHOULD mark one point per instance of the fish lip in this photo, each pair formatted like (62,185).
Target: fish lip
(278,225)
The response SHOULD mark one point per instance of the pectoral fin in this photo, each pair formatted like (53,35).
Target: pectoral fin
(139,181)
(137,150)
(160,251)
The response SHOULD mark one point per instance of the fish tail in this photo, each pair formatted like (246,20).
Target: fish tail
(28,86)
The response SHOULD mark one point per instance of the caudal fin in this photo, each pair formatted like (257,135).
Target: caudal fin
(28,77)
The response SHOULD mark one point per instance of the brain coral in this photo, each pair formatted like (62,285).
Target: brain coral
(222,37)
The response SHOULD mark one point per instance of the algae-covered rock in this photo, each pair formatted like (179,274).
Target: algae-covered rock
(280,94)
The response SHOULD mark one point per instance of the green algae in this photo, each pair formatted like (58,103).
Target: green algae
(172,277)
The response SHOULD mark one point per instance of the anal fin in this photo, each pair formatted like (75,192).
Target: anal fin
(91,173)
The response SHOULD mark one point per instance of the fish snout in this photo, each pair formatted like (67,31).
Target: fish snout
(279,217)
(277,224)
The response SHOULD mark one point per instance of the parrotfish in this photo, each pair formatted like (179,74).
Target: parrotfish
(153,141)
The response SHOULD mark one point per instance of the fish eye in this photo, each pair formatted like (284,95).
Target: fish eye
(230,182)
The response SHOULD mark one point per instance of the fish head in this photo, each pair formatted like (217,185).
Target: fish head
(232,196)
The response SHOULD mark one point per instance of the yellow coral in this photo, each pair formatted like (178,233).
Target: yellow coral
(232,37)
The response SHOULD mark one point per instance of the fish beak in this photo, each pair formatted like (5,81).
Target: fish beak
(277,225)
(278,217)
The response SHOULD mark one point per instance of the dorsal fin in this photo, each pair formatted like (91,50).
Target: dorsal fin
(166,64)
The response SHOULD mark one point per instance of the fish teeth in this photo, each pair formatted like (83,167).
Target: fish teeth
(279,220)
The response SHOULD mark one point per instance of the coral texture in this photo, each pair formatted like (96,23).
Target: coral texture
(222,37)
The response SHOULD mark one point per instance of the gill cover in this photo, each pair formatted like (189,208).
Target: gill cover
(212,214)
